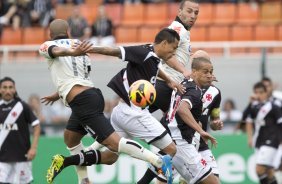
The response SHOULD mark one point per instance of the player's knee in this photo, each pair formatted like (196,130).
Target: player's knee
(261,170)
(170,149)
(108,157)
(112,142)
(211,179)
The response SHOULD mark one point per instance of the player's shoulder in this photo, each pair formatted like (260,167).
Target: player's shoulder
(178,27)
(214,89)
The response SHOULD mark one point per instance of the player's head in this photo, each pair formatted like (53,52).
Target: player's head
(188,12)
(268,84)
(204,54)
(260,92)
(8,89)
(202,71)
(59,28)
(200,53)
(166,42)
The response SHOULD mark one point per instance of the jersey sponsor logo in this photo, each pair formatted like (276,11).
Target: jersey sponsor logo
(9,127)
(177,29)
(44,47)
(209,97)
(204,162)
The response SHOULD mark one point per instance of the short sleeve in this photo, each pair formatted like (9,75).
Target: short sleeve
(192,96)
(134,54)
(45,49)
(29,115)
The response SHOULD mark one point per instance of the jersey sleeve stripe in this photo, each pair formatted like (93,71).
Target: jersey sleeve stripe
(122,53)
(188,101)
(34,123)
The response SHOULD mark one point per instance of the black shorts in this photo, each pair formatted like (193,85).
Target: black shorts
(163,97)
(88,117)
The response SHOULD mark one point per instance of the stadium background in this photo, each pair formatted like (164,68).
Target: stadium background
(243,39)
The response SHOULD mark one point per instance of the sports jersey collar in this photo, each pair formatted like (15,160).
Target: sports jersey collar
(61,37)
(178,20)
(7,102)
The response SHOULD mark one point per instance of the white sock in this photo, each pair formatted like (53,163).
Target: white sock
(80,170)
(94,146)
(135,150)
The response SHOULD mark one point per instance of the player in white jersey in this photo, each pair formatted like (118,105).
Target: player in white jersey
(177,66)
(70,67)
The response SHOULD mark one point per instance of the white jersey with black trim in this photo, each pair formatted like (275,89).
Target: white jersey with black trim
(182,53)
(66,71)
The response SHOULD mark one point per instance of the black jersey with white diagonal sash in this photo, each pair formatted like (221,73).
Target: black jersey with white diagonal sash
(267,119)
(179,130)
(15,118)
(143,63)
(211,100)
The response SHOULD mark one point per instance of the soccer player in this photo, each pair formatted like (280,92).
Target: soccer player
(210,105)
(143,63)
(266,118)
(16,150)
(177,66)
(70,69)
(184,113)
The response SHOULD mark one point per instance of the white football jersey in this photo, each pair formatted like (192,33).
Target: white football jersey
(182,52)
(66,71)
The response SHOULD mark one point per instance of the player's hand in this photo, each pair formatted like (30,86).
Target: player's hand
(206,136)
(50,99)
(81,48)
(31,154)
(216,124)
(186,74)
(176,86)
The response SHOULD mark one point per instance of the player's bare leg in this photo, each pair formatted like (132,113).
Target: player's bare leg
(75,146)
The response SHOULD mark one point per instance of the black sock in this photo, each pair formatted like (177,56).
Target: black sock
(273,181)
(263,179)
(148,177)
(84,158)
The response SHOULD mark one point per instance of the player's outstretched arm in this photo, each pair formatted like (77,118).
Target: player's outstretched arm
(77,50)
(108,51)
(186,115)
(173,63)
(171,83)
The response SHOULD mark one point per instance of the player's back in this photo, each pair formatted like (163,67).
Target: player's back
(66,71)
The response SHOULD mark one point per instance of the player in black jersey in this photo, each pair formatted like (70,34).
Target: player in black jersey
(185,109)
(266,119)
(16,150)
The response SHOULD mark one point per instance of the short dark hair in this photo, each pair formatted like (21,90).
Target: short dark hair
(7,79)
(197,61)
(266,79)
(167,34)
(260,85)
(183,1)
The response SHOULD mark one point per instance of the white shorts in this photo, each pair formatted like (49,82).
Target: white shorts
(265,155)
(278,157)
(131,122)
(190,164)
(208,156)
(16,172)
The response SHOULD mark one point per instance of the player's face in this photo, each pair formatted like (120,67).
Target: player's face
(167,50)
(269,87)
(189,13)
(261,94)
(7,90)
(204,75)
